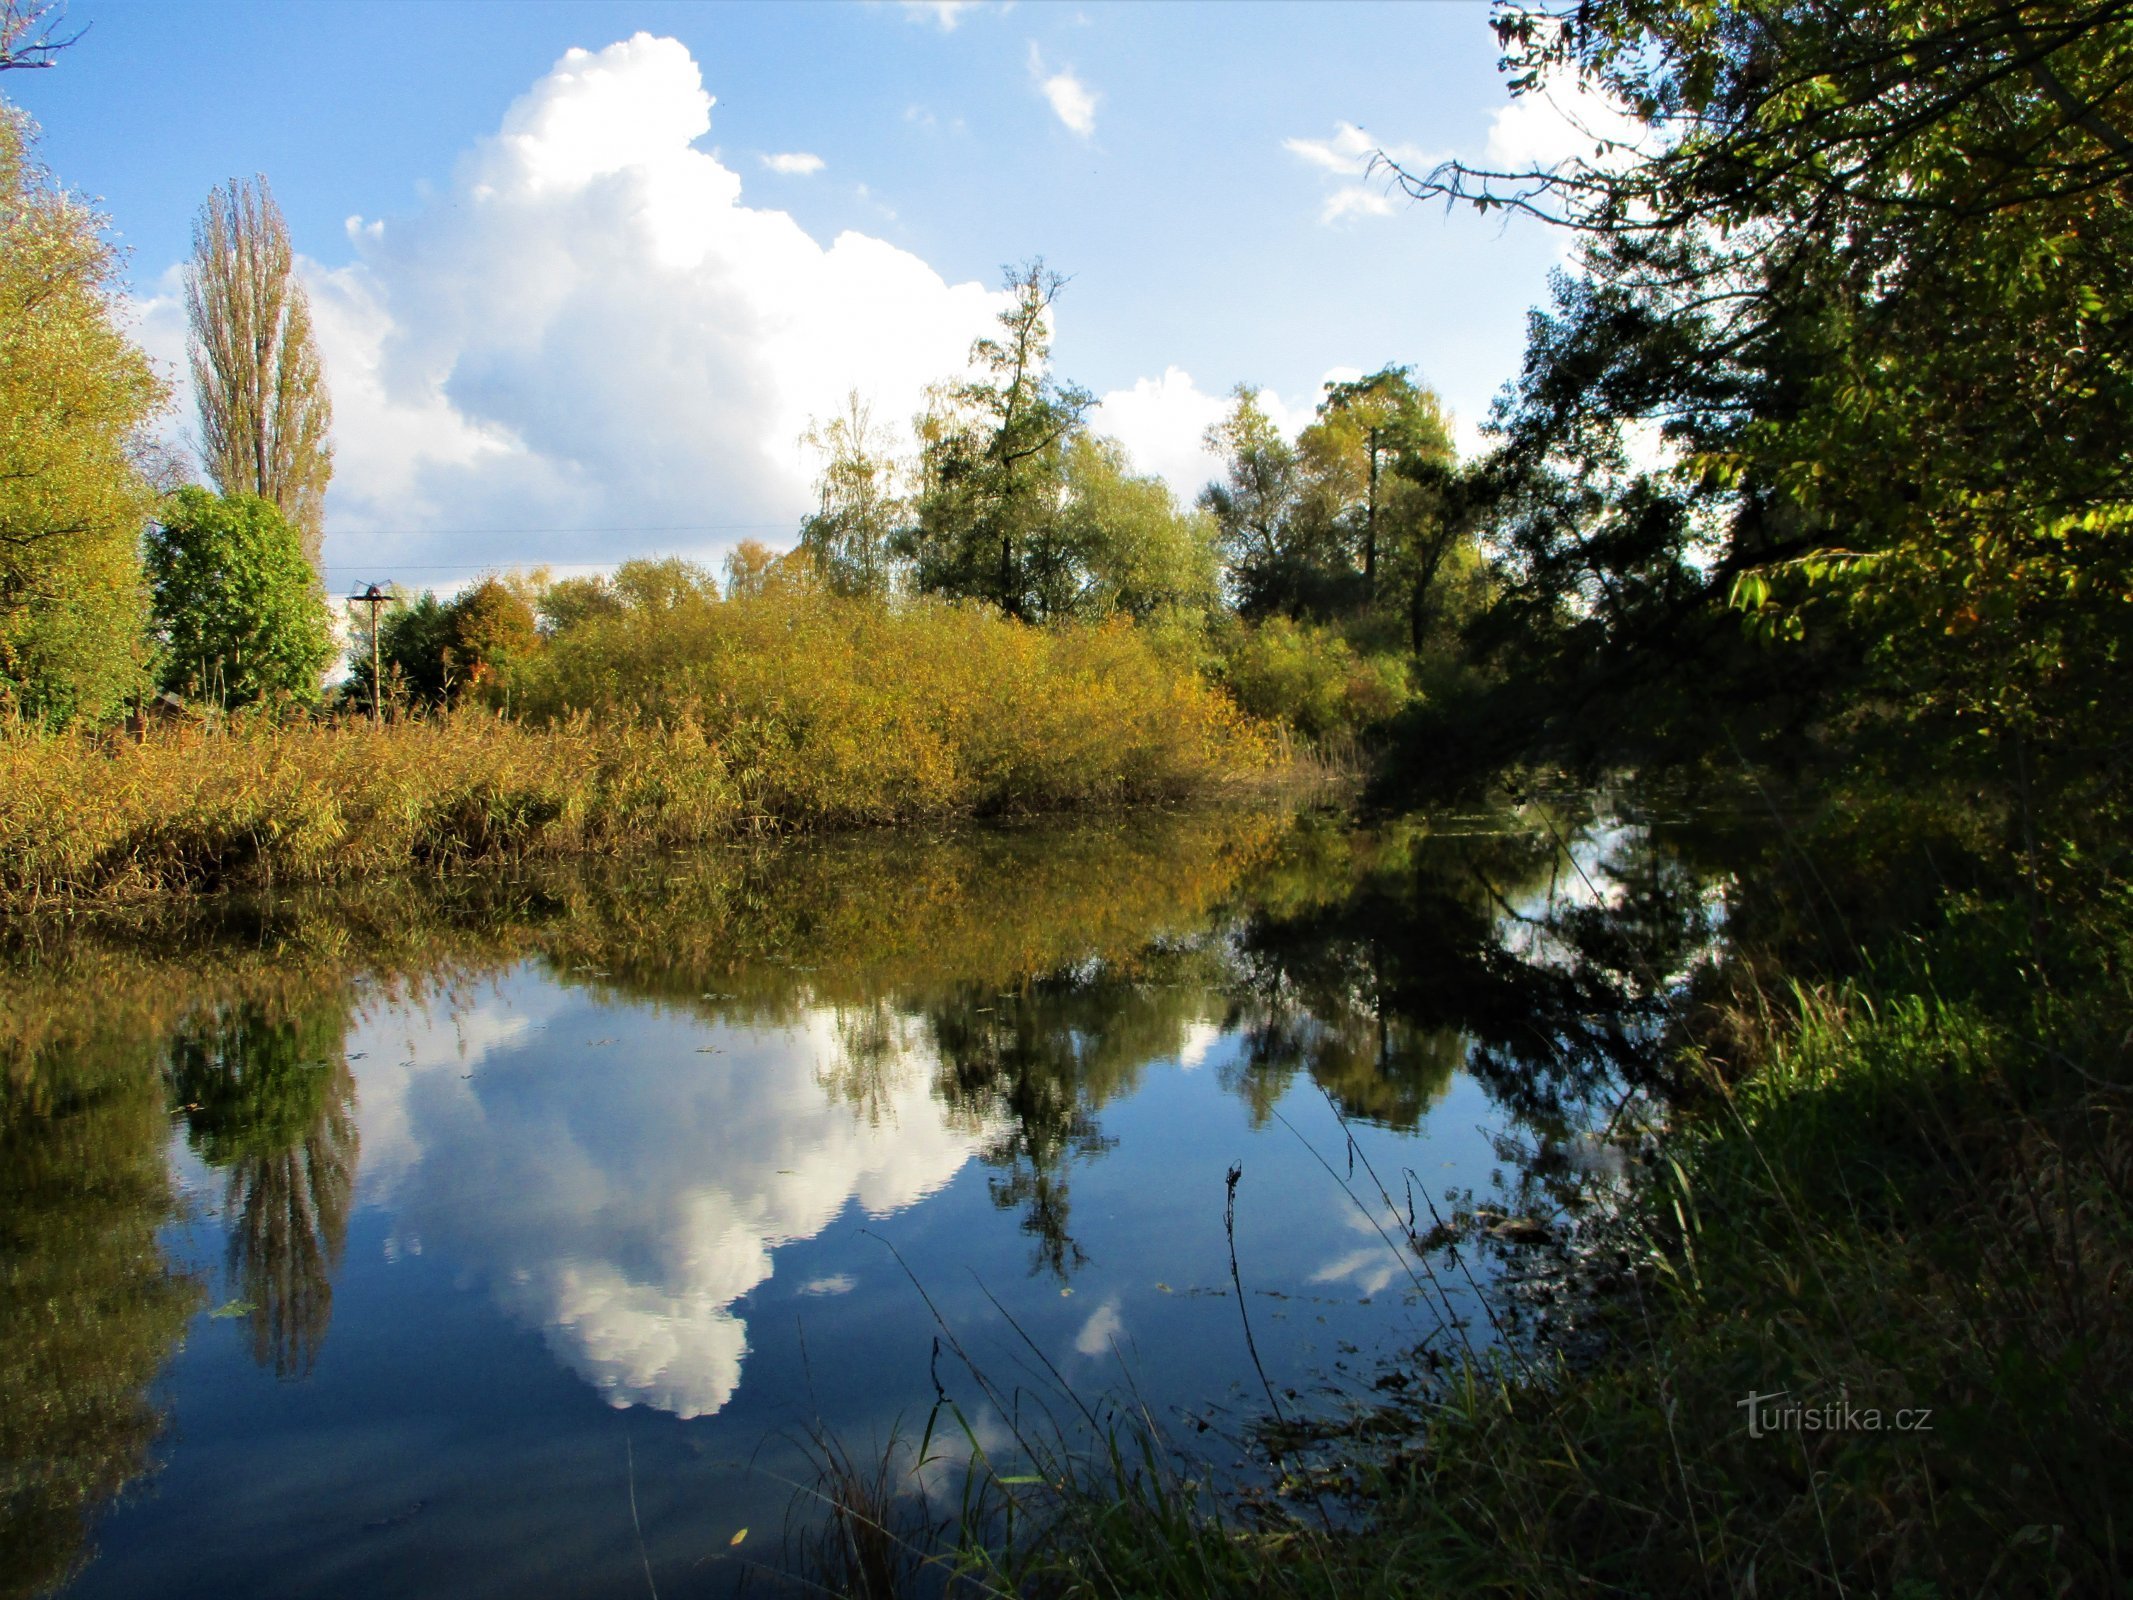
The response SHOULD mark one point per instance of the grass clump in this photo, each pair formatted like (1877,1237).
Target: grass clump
(1912,1234)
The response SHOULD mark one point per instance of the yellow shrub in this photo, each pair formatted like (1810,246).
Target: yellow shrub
(637,729)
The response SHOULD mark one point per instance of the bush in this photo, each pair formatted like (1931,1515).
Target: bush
(836,710)
(1310,678)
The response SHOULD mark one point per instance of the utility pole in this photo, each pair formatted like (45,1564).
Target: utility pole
(373,597)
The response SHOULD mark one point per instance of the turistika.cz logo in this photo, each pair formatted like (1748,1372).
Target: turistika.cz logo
(1766,1415)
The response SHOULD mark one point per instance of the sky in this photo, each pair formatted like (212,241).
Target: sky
(584,273)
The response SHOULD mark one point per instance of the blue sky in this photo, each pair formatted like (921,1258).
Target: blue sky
(566,321)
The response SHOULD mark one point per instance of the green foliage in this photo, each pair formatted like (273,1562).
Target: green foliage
(1872,289)
(264,411)
(1254,503)
(1122,546)
(569,601)
(433,652)
(236,606)
(992,454)
(1349,519)
(1309,677)
(74,396)
(414,647)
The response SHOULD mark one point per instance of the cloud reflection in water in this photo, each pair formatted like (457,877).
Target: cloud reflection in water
(625,1199)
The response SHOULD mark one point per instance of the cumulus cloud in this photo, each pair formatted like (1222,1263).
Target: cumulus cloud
(625,1212)
(1071,100)
(1163,424)
(1347,158)
(794,163)
(587,329)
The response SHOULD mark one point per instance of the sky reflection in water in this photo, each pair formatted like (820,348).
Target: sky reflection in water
(696,1159)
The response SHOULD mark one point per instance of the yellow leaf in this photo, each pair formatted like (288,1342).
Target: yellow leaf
(737,1538)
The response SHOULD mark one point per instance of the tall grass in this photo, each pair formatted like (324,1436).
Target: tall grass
(264,802)
(647,729)
(839,710)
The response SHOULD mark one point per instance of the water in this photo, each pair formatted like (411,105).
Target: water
(510,1236)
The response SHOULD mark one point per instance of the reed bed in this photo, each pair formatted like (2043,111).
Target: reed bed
(636,733)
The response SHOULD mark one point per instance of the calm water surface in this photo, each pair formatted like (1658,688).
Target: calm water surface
(451,1240)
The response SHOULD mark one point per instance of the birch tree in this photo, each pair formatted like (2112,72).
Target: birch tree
(264,411)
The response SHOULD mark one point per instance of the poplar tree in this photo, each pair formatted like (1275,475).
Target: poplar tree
(264,411)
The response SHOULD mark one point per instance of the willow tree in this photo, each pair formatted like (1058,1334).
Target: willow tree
(264,411)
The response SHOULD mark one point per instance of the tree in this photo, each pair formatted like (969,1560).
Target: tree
(1254,503)
(27,34)
(414,637)
(1123,546)
(1383,418)
(75,395)
(853,537)
(754,571)
(236,605)
(571,602)
(1871,283)
(992,455)
(264,411)
(491,625)
(1307,526)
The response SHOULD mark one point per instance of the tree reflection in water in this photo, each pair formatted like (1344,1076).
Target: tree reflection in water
(1030,977)
(268,1100)
(90,1308)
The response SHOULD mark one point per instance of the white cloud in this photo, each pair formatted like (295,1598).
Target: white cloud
(1163,424)
(1548,128)
(625,1212)
(1345,154)
(1349,156)
(944,14)
(1072,101)
(794,163)
(587,329)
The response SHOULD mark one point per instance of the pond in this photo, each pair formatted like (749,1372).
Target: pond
(516,1234)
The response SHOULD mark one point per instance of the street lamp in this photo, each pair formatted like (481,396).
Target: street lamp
(373,597)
